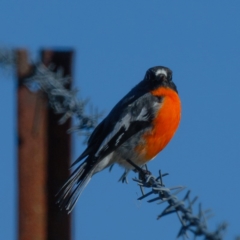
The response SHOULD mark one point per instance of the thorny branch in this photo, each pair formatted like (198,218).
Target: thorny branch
(64,101)
(195,223)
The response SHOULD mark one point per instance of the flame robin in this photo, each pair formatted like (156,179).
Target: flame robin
(138,128)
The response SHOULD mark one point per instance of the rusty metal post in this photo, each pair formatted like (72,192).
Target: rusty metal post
(59,152)
(32,157)
(44,157)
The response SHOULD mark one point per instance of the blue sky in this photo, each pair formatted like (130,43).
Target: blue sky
(115,43)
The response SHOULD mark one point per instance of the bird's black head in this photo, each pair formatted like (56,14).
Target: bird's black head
(159,76)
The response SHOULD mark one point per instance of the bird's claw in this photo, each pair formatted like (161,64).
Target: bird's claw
(142,173)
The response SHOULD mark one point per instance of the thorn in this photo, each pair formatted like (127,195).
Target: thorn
(162,189)
(177,192)
(187,195)
(142,189)
(166,199)
(154,199)
(146,195)
(177,187)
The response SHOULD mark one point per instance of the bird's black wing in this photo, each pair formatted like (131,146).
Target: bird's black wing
(107,125)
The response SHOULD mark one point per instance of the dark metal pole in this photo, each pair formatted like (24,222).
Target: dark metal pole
(59,153)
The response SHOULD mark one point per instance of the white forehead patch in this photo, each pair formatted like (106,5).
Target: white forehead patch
(161,71)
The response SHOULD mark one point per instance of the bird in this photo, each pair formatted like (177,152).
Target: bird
(138,127)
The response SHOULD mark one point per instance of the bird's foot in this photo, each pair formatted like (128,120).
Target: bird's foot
(123,178)
(143,173)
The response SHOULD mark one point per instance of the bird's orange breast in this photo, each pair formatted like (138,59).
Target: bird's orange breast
(165,123)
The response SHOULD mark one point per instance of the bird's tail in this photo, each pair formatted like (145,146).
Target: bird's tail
(72,189)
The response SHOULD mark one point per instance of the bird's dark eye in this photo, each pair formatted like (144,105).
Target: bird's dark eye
(151,76)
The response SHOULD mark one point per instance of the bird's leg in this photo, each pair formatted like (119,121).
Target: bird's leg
(142,172)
